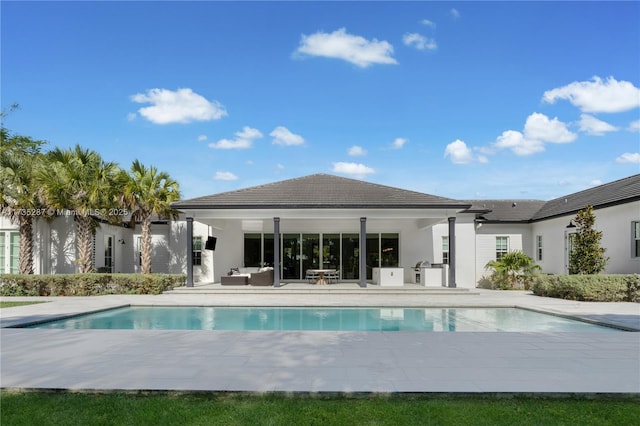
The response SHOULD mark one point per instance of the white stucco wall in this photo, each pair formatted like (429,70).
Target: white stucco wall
(519,237)
(615,224)
(123,254)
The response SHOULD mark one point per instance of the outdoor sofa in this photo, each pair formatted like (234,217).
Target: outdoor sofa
(246,276)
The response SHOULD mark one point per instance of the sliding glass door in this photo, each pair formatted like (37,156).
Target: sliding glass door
(300,252)
(310,252)
(291,256)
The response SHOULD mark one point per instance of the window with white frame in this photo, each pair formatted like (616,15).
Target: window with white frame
(197,251)
(502,247)
(445,250)
(9,252)
(539,247)
(635,239)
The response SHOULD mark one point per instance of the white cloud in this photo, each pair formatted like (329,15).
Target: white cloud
(518,143)
(428,23)
(597,95)
(419,41)
(634,126)
(357,151)
(244,139)
(593,126)
(351,48)
(225,176)
(458,152)
(131,116)
(398,143)
(181,106)
(354,169)
(454,13)
(539,127)
(629,157)
(202,138)
(282,136)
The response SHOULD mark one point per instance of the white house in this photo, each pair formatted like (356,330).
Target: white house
(322,221)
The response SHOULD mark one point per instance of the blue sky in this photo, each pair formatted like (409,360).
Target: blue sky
(468,100)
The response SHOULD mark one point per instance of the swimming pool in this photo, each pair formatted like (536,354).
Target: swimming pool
(325,319)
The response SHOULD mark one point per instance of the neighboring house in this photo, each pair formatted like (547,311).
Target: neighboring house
(322,221)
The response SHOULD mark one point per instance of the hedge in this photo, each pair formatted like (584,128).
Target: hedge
(591,288)
(87,284)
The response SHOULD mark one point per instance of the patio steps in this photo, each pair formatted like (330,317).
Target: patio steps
(312,289)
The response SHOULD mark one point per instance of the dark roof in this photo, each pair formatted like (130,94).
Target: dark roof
(320,191)
(505,210)
(610,194)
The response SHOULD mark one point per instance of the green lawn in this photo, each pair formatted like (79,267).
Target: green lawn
(12,304)
(61,408)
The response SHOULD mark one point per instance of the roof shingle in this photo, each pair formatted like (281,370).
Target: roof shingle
(320,191)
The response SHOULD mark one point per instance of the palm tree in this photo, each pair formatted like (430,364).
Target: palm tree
(19,201)
(149,192)
(80,181)
(513,268)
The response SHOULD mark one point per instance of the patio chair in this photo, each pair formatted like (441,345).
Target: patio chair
(333,276)
(264,278)
(311,276)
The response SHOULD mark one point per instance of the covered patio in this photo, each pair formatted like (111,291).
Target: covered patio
(321,222)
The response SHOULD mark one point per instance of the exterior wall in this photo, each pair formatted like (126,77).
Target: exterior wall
(465,249)
(160,251)
(62,245)
(615,224)
(485,241)
(123,248)
(554,244)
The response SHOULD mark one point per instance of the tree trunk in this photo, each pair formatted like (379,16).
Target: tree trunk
(145,251)
(26,244)
(84,240)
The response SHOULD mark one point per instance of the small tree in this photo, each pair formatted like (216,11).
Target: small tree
(587,255)
(514,269)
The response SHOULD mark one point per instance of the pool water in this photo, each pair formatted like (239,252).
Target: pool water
(325,319)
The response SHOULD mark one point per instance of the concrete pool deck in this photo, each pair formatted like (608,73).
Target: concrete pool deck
(297,361)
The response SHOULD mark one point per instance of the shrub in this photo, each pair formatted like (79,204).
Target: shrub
(87,284)
(514,270)
(591,288)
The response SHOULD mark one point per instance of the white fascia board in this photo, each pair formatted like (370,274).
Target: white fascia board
(203,214)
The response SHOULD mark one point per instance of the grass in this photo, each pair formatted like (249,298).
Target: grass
(12,304)
(63,408)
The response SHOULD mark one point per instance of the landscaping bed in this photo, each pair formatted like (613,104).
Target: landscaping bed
(88,284)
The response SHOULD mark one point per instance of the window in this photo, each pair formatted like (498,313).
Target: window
(445,250)
(139,250)
(252,249)
(108,253)
(197,251)
(539,247)
(635,240)
(9,252)
(502,247)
